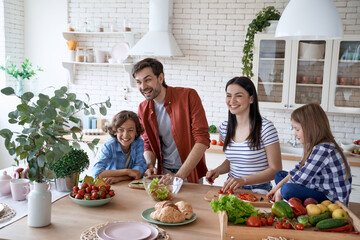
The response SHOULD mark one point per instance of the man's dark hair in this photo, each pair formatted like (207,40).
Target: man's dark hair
(154,64)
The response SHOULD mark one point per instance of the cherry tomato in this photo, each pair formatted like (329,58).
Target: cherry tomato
(230,191)
(263,221)
(299,226)
(279,225)
(111,193)
(75,189)
(270,221)
(88,189)
(286,225)
(220,191)
(78,196)
(84,185)
(213,142)
(81,192)
(94,195)
(220,143)
(108,187)
(253,221)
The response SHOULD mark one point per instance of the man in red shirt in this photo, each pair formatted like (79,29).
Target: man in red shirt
(180,142)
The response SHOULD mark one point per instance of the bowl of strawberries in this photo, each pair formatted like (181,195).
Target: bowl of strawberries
(89,195)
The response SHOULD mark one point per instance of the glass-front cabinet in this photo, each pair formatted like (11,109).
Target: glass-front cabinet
(288,74)
(345,76)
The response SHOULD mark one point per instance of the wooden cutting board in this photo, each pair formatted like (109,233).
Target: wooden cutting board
(262,202)
(133,184)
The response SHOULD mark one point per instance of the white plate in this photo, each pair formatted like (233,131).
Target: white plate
(126,231)
(2,209)
(120,52)
(356,155)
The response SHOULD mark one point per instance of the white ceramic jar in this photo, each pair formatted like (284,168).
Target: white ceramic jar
(39,205)
(5,184)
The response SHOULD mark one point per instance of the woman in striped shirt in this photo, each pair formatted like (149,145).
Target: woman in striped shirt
(251,143)
(324,172)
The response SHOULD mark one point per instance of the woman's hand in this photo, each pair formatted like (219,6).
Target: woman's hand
(271,194)
(211,176)
(233,184)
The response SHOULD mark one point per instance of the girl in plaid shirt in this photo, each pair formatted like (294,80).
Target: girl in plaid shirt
(324,171)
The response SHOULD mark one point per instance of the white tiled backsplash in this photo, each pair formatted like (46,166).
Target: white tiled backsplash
(211,34)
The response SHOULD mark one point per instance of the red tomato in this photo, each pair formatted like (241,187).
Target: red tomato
(220,191)
(253,221)
(78,196)
(108,187)
(75,189)
(94,195)
(81,192)
(111,193)
(94,188)
(263,221)
(102,188)
(213,142)
(230,191)
(279,225)
(299,226)
(286,225)
(270,221)
(220,143)
(88,189)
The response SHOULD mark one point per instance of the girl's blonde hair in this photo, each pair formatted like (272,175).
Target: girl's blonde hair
(120,118)
(316,130)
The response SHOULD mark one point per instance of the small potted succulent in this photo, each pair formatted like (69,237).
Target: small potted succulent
(68,168)
(258,24)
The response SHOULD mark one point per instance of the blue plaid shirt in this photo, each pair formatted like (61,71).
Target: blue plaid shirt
(325,172)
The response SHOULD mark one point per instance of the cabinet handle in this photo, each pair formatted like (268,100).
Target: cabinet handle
(290,106)
(285,105)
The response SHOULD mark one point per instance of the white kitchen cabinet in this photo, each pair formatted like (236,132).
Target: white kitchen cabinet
(290,73)
(71,65)
(345,76)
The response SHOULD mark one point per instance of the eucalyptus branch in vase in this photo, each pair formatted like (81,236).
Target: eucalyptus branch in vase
(25,72)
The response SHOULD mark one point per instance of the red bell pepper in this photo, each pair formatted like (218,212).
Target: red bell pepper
(297,207)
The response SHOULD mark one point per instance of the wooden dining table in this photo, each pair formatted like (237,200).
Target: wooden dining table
(69,220)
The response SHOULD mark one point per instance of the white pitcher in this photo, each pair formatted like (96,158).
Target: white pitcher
(39,205)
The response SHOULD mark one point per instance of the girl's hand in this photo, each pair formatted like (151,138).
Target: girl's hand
(211,176)
(278,196)
(271,194)
(233,184)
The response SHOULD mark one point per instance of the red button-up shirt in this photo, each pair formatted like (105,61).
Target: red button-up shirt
(188,126)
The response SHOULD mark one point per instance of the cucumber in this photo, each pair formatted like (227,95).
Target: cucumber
(317,218)
(331,223)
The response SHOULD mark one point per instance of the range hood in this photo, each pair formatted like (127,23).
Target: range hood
(159,41)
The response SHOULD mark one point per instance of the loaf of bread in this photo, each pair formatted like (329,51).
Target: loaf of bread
(168,212)
(185,208)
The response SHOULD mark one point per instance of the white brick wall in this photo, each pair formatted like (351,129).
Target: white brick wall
(210,33)
(13,14)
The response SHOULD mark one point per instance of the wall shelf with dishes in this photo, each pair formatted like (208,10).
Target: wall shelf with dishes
(99,57)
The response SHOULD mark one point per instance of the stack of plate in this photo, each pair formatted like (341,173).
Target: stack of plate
(2,209)
(127,231)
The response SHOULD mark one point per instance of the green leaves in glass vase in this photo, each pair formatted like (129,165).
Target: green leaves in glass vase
(45,121)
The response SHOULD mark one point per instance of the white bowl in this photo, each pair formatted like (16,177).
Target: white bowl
(347,146)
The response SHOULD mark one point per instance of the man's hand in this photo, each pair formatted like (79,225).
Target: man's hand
(211,176)
(134,174)
(151,171)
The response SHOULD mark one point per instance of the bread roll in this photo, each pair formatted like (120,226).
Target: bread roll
(185,208)
(163,204)
(171,215)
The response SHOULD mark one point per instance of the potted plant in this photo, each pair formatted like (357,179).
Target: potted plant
(68,168)
(261,21)
(25,72)
(41,143)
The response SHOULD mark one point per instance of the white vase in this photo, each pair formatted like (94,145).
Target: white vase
(39,205)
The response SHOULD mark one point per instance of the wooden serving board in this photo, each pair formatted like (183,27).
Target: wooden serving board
(229,231)
(133,184)
(262,199)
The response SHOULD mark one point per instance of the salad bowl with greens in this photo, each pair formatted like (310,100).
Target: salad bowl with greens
(162,190)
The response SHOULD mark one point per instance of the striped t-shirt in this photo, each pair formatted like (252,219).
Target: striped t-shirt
(243,160)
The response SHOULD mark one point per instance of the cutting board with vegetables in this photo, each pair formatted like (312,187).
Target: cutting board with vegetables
(136,184)
(229,230)
(261,201)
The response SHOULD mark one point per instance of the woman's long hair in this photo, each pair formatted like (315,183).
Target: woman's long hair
(254,115)
(316,130)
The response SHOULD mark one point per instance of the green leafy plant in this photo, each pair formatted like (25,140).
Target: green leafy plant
(75,161)
(258,24)
(45,121)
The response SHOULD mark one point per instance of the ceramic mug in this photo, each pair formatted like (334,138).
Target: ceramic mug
(318,80)
(356,81)
(19,188)
(305,79)
(343,81)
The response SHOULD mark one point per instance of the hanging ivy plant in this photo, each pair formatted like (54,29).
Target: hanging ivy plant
(260,22)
